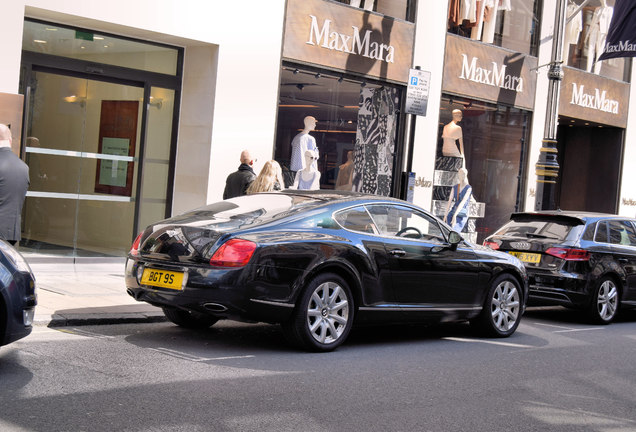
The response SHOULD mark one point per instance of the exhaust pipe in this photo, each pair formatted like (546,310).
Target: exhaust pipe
(215,307)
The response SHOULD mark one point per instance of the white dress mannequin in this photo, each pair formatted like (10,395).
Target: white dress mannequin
(308,178)
(597,35)
(451,134)
(303,142)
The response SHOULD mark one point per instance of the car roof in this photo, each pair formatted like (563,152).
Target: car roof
(580,217)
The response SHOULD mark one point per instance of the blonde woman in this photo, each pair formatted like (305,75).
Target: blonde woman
(270,178)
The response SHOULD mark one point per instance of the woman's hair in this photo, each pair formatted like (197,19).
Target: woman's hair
(266,180)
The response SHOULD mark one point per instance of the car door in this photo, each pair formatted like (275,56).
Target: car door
(622,236)
(426,272)
(378,291)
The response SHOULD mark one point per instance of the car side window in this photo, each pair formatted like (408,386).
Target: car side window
(356,219)
(588,234)
(622,233)
(601,233)
(400,221)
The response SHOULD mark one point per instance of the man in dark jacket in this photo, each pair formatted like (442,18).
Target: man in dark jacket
(238,182)
(14,181)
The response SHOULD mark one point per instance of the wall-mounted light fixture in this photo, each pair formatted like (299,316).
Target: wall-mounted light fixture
(156,102)
(79,100)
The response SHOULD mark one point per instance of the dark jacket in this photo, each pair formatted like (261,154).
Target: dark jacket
(238,182)
(14,181)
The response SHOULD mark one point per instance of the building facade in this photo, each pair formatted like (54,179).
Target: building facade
(138,112)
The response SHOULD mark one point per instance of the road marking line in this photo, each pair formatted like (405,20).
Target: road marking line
(491,342)
(184,356)
(579,330)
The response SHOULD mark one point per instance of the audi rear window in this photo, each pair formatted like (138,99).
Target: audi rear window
(544,229)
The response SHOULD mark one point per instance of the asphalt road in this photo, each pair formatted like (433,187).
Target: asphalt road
(556,373)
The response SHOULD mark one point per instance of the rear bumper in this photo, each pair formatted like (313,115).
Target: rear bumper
(222,295)
(559,288)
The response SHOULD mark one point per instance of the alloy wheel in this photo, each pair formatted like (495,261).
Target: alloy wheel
(327,312)
(505,306)
(607,300)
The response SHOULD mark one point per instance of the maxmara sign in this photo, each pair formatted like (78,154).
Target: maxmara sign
(591,97)
(489,73)
(330,34)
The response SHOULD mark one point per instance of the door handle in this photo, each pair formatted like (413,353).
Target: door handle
(397,252)
(623,260)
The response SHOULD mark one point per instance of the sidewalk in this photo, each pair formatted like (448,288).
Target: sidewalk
(86,294)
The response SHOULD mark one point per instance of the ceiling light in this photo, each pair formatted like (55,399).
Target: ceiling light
(39,41)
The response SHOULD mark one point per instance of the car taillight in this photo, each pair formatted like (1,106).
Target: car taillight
(569,254)
(491,244)
(233,253)
(134,250)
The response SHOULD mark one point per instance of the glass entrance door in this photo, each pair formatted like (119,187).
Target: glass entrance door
(82,147)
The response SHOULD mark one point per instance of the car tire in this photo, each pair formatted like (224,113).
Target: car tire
(323,316)
(605,301)
(502,309)
(187,319)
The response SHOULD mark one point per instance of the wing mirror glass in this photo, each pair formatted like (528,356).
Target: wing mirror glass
(454,238)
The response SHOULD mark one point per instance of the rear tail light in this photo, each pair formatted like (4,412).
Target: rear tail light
(233,253)
(134,250)
(491,244)
(569,254)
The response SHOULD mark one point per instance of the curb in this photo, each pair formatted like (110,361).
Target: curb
(67,320)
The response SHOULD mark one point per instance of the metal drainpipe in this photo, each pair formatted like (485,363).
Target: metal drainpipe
(547,167)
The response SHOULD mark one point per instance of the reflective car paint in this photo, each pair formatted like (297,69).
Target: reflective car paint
(298,239)
(17,295)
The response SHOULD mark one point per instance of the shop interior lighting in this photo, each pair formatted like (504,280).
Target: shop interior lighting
(39,41)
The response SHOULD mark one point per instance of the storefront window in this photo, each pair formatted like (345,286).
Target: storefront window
(352,122)
(494,140)
(48,38)
(512,24)
(586,28)
(402,9)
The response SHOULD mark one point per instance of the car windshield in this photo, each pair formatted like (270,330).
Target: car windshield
(557,230)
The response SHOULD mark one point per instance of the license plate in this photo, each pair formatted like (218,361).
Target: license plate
(162,279)
(533,258)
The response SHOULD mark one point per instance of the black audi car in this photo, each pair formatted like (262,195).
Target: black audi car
(575,259)
(318,261)
(17,295)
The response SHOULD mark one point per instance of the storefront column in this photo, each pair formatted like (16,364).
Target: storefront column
(627,195)
(11,36)
(431,22)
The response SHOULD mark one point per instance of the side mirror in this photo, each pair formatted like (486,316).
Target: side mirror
(454,238)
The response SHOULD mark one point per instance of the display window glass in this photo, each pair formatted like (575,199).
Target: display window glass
(350,124)
(490,142)
(586,28)
(401,9)
(512,24)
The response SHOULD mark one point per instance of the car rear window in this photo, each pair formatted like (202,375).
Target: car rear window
(550,229)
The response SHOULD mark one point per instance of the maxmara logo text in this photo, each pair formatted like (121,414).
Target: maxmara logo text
(597,100)
(495,76)
(350,43)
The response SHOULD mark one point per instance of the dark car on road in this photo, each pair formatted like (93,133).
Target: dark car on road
(316,261)
(579,260)
(17,295)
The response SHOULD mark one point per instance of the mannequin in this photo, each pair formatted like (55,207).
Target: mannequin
(345,174)
(452,134)
(573,26)
(301,143)
(597,35)
(457,207)
(308,178)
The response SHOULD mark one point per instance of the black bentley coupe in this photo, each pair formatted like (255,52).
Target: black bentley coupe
(318,261)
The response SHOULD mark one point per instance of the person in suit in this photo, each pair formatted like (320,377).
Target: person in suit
(237,183)
(14,182)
